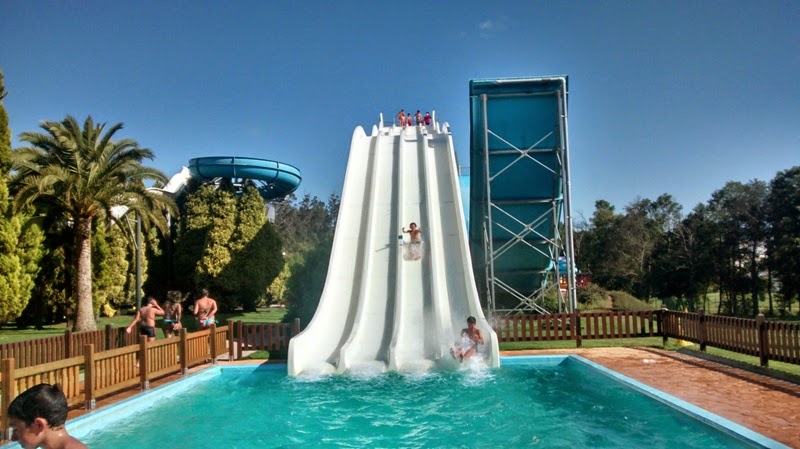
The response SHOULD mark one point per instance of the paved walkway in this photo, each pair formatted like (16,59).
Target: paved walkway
(765,405)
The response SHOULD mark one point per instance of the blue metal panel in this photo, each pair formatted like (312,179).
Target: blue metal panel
(521,120)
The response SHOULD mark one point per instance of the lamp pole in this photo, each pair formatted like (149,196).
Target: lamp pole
(138,262)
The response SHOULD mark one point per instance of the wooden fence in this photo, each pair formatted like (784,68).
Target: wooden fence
(578,326)
(270,337)
(71,344)
(767,340)
(110,371)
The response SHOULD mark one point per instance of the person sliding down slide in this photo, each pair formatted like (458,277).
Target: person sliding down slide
(414,251)
(470,339)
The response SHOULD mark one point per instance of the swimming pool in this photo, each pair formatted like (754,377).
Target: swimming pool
(552,401)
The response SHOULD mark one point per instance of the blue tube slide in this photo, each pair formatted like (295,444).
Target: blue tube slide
(275,179)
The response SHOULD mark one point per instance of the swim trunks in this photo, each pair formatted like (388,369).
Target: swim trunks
(148,331)
(209,322)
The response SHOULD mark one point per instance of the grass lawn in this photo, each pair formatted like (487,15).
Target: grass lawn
(647,342)
(261,316)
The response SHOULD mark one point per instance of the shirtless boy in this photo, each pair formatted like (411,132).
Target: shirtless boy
(147,315)
(414,232)
(204,309)
(37,417)
(470,339)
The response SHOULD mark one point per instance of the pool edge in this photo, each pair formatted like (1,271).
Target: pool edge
(712,419)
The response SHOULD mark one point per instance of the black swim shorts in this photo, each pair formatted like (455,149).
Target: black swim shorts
(148,331)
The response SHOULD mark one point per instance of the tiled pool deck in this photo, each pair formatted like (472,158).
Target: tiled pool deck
(764,405)
(768,406)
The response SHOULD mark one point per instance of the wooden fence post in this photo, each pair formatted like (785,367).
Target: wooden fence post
(296,327)
(184,352)
(109,331)
(143,363)
(702,329)
(662,316)
(239,339)
(7,393)
(212,344)
(230,340)
(67,344)
(763,343)
(576,328)
(88,375)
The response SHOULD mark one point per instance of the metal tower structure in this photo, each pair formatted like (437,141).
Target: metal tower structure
(520,212)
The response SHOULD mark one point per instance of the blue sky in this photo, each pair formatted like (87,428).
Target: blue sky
(673,97)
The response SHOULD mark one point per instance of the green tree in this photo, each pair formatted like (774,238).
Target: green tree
(79,174)
(119,268)
(784,230)
(738,210)
(227,245)
(305,286)
(257,253)
(20,239)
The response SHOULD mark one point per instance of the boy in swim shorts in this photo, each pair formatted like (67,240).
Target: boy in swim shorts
(470,339)
(147,315)
(204,309)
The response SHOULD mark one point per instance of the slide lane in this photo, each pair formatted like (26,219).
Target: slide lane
(367,347)
(411,348)
(316,349)
(462,295)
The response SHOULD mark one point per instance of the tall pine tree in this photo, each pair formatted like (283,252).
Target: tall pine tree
(20,239)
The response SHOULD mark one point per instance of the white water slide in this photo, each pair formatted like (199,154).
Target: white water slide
(381,310)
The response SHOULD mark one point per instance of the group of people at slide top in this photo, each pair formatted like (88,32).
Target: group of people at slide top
(205,308)
(37,417)
(404,119)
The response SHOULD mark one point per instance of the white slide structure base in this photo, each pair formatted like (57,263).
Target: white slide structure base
(381,309)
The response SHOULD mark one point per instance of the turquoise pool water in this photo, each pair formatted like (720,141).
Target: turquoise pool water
(549,403)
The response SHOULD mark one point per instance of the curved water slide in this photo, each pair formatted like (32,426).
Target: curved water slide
(381,310)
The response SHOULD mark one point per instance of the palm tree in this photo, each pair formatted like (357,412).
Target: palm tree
(78,175)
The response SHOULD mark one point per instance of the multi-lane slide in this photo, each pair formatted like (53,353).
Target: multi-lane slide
(381,309)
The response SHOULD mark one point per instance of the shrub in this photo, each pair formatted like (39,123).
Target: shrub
(592,297)
(625,301)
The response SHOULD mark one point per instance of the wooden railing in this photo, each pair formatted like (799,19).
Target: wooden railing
(110,371)
(778,341)
(269,337)
(767,340)
(71,344)
(577,326)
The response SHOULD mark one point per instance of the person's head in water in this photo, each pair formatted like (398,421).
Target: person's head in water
(37,417)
